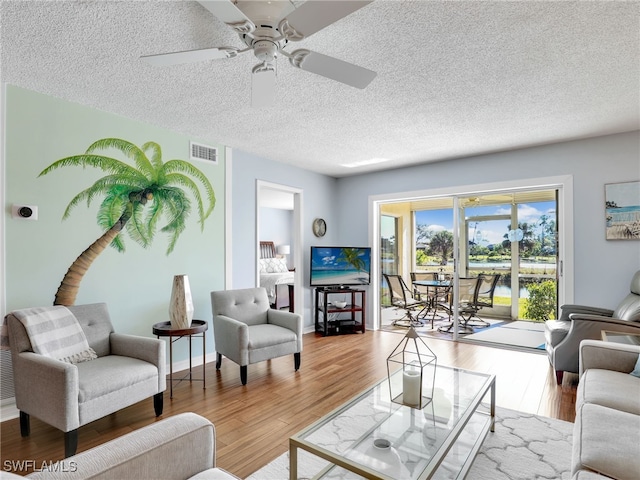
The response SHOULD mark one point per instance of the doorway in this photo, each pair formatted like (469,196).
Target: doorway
(495,232)
(279,220)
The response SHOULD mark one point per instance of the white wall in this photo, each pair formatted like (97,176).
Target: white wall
(136,284)
(319,192)
(603,269)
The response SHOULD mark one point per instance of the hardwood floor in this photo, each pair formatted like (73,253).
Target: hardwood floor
(254,422)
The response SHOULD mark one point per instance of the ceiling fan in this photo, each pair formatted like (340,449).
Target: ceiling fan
(266,27)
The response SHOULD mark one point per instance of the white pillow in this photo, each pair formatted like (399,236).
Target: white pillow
(273,265)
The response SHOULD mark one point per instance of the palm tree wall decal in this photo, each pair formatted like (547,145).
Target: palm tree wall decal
(135,199)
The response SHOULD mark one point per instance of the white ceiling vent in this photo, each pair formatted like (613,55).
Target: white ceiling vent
(203,152)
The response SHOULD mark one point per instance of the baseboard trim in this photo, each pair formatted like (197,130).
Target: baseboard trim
(195,362)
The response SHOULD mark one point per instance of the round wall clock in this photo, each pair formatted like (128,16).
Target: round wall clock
(319,227)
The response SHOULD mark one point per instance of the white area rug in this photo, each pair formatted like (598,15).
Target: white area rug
(523,447)
(518,334)
(524,325)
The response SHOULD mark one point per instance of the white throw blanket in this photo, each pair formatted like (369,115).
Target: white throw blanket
(55,332)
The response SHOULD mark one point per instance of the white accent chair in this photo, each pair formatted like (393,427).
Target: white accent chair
(247,331)
(128,369)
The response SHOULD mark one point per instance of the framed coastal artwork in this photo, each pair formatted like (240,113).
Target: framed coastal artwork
(622,210)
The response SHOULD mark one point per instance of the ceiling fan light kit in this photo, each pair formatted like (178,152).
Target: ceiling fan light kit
(263,85)
(266,28)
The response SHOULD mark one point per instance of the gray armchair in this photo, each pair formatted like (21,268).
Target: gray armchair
(579,322)
(247,331)
(65,395)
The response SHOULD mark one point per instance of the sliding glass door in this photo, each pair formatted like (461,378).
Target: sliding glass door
(511,233)
(485,252)
(389,255)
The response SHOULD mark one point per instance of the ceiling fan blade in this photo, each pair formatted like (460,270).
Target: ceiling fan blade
(263,86)
(332,68)
(189,56)
(314,15)
(230,14)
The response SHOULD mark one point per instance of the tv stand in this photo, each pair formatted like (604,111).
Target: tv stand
(331,320)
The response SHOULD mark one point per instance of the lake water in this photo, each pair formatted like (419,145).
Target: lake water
(505,265)
(504,291)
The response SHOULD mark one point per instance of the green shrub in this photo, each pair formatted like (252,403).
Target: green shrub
(541,304)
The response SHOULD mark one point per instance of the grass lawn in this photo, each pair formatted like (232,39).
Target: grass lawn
(506,301)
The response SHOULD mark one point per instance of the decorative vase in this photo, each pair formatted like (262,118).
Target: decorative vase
(181,304)
(384,458)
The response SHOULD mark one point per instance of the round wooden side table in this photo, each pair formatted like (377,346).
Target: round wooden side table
(198,328)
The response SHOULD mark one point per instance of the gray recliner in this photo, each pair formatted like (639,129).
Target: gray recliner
(247,331)
(579,322)
(127,369)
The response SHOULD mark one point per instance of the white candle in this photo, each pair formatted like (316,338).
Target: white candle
(411,387)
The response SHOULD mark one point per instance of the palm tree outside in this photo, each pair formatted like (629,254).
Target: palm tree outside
(441,244)
(134,200)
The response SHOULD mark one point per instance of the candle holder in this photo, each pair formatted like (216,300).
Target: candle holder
(415,385)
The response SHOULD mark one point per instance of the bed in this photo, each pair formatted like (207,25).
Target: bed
(275,277)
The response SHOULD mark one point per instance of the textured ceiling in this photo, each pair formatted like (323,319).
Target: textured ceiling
(455,78)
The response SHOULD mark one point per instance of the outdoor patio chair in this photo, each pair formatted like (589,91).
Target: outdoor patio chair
(467,295)
(402,297)
(419,291)
(483,298)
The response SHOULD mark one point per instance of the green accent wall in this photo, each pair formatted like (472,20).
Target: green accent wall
(136,284)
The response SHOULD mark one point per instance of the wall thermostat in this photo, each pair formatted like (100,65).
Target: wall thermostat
(24,212)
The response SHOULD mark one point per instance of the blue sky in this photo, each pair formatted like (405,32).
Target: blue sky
(490,232)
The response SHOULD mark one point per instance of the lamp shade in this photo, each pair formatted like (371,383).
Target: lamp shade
(181,303)
(284,249)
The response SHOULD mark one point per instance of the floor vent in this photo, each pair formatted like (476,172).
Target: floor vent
(203,152)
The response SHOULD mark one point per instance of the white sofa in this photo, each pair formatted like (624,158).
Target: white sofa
(606,434)
(178,447)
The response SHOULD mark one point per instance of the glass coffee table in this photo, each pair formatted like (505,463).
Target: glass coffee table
(372,437)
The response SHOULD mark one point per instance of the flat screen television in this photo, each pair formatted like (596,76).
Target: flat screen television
(340,266)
